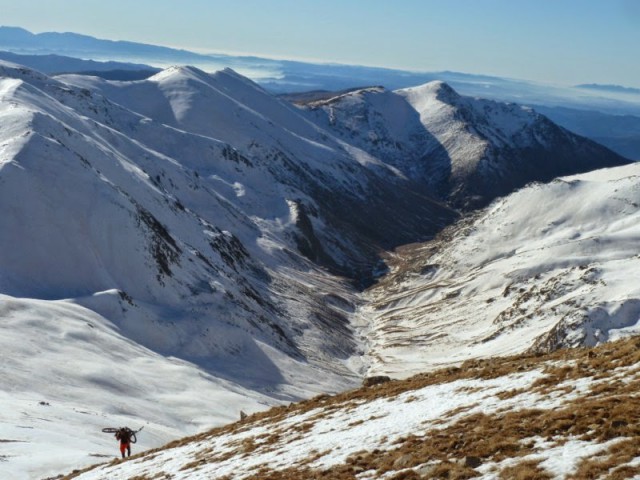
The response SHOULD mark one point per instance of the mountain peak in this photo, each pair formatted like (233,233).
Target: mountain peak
(437,89)
(20,72)
(460,147)
(444,91)
(229,76)
(231,72)
(179,71)
(14,30)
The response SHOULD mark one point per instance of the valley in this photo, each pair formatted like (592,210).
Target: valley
(176,249)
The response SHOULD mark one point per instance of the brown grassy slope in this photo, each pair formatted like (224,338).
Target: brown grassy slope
(610,410)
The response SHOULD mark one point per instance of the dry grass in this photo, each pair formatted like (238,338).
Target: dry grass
(527,470)
(610,410)
(612,463)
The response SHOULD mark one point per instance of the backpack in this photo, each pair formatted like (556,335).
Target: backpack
(124,435)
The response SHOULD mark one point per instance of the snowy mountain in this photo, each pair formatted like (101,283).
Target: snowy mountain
(191,202)
(572,107)
(175,249)
(266,138)
(186,222)
(468,151)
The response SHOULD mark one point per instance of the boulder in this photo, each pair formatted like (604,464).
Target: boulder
(375,380)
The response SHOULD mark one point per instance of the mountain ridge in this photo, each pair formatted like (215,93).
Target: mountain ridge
(58,64)
(284,76)
(469,151)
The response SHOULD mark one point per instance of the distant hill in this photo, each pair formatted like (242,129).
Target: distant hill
(286,76)
(609,88)
(52,64)
(620,133)
(22,41)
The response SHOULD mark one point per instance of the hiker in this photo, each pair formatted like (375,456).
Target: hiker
(124,435)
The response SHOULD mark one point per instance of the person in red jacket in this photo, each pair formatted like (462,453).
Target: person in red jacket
(124,436)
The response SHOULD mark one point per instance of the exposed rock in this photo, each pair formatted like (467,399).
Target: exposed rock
(471,461)
(426,470)
(404,461)
(375,380)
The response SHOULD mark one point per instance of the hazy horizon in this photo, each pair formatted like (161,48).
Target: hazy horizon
(565,43)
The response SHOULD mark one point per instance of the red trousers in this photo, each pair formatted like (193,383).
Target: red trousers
(124,447)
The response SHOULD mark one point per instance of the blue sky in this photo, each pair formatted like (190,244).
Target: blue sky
(553,41)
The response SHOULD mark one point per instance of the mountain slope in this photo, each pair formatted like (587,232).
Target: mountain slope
(468,151)
(193,227)
(566,416)
(67,372)
(271,136)
(203,230)
(549,266)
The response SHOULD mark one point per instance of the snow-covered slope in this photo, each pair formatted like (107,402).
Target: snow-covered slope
(272,139)
(568,416)
(549,266)
(181,220)
(67,372)
(468,151)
